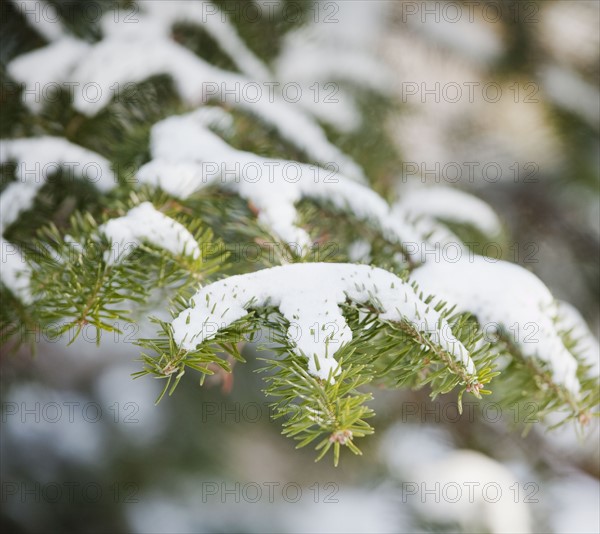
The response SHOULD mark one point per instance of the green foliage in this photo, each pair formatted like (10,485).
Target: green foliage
(16,36)
(74,286)
(528,385)
(18,326)
(370,144)
(201,43)
(251,134)
(262,28)
(168,362)
(329,414)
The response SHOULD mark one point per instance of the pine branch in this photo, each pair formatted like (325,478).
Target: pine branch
(74,285)
(528,382)
(331,413)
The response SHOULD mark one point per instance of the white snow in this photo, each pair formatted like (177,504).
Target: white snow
(422,236)
(150,51)
(215,118)
(505,297)
(62,433)
(568,89)
(359,251)
(42,71)
(15,272)
(160,17)
(351,510)
(450,204)
(106,66)
(39,157)
(188,156)
(326,59)
(573,503)
(16,198)
(308,296)
(42,16)
(305,59)
(146,223)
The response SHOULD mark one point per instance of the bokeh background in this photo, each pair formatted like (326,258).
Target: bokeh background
(84,448)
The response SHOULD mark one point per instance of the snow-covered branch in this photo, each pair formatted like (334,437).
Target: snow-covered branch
(146,223)
(309,297)
(506,299)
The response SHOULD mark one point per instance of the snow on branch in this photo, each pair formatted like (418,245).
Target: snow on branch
(450,205)
(150,52)
(505,298)
(345,51)
(40,68)
(16,198)
(188,156)
(42,16)
(37,158)
(15,272)
(335,59)
(309,297)
(571,322)
(145,223)
(207,15)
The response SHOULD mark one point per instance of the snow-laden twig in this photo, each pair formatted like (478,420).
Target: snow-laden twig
(41,70)
(42,16)
(506,298)
(207,15)
(570,321)
(16,198)
(145,223)
(188,156)
(309,297)
(39,157)
(313,53)
(328,61)
(15,273)
(451,205)
(104,68)
(331,61)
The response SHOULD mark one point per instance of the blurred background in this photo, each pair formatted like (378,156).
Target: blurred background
(498,98)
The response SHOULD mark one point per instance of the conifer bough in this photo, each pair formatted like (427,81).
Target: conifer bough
(182,175)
